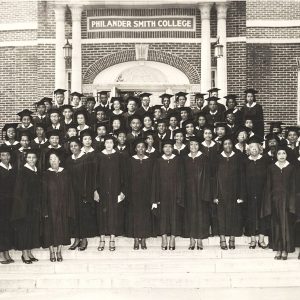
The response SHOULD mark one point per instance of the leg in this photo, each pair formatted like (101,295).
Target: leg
(75,244)
(58,253)
(261,242)
(199,244)
(223,244)
(52,254)
(102,243)
(143,244)
(32,258)
(192,244)
(83,244)
(136,245)
(278,255)
(253,242)
(3,259)
(164,242)
(232,242)
(112,246)
(8,257)
(172,243)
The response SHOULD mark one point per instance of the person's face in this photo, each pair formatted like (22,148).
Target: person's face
(101,131)
(146,101)
(90,105)
(173,122)
(54,118)
(100,115)
(121,138)
(135,124)
(183,115)
(161,128)
(71,132)
(157,114)
(231,104)
(249,124)
(221,131)
(147,122)
(230,118)
(214,94)
(150,140)
(212,105)
(192,102)
(168,149)
(5,157)
(11,133)
(54,161)
(254,149)
(166,102)
(140,149)
(74,148)
(80,120)
(87,141)
(48,106)
(116,124)
(109,145)
(181,101)
(83,102)
(60,99)
(189,128)
(31,159)
(75,100)
(272,144)
(67,113)
(249,98)
(194,147)
(207,135)
(41,109)
(117,105)
(24,142)
(281,155)
(200,102)
(103,99)
(26,121)
(292,137)
(54,140)
(242,137)
(131,106)
(201,121)
(227,146)
(179,137)
(39,131)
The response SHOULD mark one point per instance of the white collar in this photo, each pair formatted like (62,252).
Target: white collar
(106,105)
(145,130)
(50,146)
(85,127)
(270,153)
(213,113)
(181,148)
(79,155)
(161,136)
(173,129)
(252,105)
(105,152)
(224,155)
(151,151)
(41,116)
(9,144)
(235,110)
(258,157)
(146,109)
(121,147)
(166,109)
(4,166)
(60,169)
(168,158)
(251,134)
(21,149)
(298,158)
(114,112)
(28,167)
(136,157)
(237,146)
(42,142)
(30,125)
(199,153)
(57,126)
(285,164)
(98,139)
(212,143)
(89,151)
(67,123)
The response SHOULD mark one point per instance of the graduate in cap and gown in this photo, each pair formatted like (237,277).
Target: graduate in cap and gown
(200,103)
(26,208)
(117,106)
(41,113)
(103,102)
(145,104)
(151,151)
(132,106)
(272,142)
(59,98)
(179,147)
(232,104)
(166,102)
(10,139)
(40,141)
(58,211)
(292,143)
(7,185)
(20,154)
(76,100)
(26,122)
(214,114)
(180,99)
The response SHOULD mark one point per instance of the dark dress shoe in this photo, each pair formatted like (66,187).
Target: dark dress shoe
(101,246)
(192,247)
(136,245)
(231,244)
(82,248)
(52,257)
(299,256)
(26,261)
(172,248)
(74,245)
(223,245)
(164,247)
(143,244)
(112,246)
(199,247)
(33,259)
(262,245)
(59,257)
(4,262)
(278,257)
(252,245)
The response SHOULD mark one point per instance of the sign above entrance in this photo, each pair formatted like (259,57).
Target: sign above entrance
(156,23)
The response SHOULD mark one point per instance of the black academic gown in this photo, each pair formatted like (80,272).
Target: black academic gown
(83,175)
(26,210)
(110,183)
(297,179)
(212,119)
(229,186)
(256,113)
(168,190)
(139,182)
(58,211)
(197,196)
(7,185)
(281,205)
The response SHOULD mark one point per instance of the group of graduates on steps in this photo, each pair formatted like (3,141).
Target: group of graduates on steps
(120,167)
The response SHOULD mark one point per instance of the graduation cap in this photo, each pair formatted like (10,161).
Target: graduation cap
(139,141)
(25,133)
(103,93)
(133,98)
(213,98)
(66,106)
(228,112)
(227,137)
(134,117)
(71,125)
(120,99)
(147,114)
(31,151)
(200,114)
(243,129)
(109,137)
(58,152)
(47,99)
(149,133)
(25,113)
(41,125)
(174,115)
(231,96)
(272,136)
(248,118)
(53,110)
(76,94)
(5,149)
(188,122)
(53,132)
(179,130)
(179,94)
(221,124)
(212,90)
(185,108)
(167,142)
(165,95)
(102,124)
(254,139)
(39,103)
(281,147)
(200,95)
(194,139)
(155,107)
(59,91)
(162,121)
(292,129)
(209,127)
(81,111)
(142,95)
(10,125)
(251,91)
(275,124)
(90,98)
(75,139)
(87,132)
(120,130)
(100,108)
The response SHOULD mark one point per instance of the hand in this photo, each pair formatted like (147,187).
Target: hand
(239,201)
(154,205)
(216,201)
(96,196)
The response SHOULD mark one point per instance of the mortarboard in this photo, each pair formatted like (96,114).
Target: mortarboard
(71,125)
(173,115)
(147,114)
(275,124)
(162,121)
(157,107)
(5,149)
(100,108)
(39,103)
(41,125)
(25,133)
(188,122)
(167,142)
(213,90)
(31,151)
(163,96)
(74,139)
(200,114)
(185,108)
(59,91)
(179,130)
(25,112)
(109,137)
(251,91)
(292,129)
(221,124)
(194,139)
(134,117)
(228,111)
(53,110)
(103,93)
(76,94)
(90,98)
(212,99)
(139,141)
(254,139)
(121,130)
(47,99)
(53,132)
(227,137)
(58,152)
(199,95)
(272,136)
(133,98)
(148,133)
(209,127)
(10,125)
(142,95)
(243,129)
(102,124)
(87,132)
(181,94)
(66,106)
(81,111)
(231,96)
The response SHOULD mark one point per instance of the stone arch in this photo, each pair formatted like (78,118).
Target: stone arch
(153,55)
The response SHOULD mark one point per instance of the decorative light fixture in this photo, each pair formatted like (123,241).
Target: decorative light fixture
(68,53)
(218,49)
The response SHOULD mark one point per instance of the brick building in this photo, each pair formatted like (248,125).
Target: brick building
(156,46)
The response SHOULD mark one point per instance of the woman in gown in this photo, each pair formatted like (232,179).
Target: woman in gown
(168,194)
(26,211)
(229,194)
(57,207)
(280,203)
(140,171)
(7,185)
(197,194)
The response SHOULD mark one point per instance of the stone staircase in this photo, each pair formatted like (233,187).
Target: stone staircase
(146,274)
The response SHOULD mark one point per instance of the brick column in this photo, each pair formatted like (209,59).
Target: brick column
(60,68)
(76,82)
(222,61)
(205,46)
